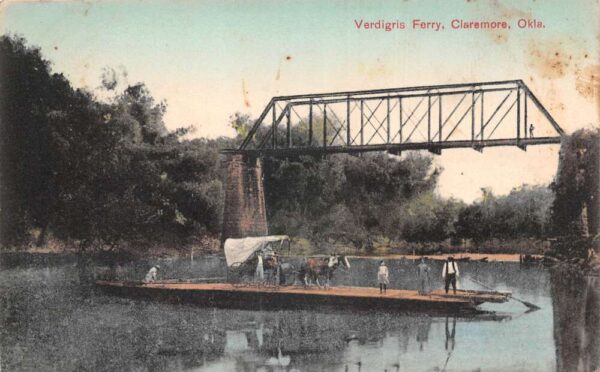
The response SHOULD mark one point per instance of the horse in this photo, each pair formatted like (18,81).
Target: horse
(312,268)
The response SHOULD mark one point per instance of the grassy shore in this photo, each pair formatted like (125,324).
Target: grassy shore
(503,250)
(382,247)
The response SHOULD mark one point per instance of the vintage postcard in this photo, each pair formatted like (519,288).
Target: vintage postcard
(261,185)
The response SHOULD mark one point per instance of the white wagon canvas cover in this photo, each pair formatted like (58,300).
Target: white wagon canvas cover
(238,251)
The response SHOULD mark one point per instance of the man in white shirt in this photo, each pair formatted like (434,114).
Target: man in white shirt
(383,277)
(450,273)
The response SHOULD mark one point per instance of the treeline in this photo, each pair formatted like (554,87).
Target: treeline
(356,200)
(107,173)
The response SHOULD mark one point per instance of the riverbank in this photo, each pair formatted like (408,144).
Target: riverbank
(492,250)
(207,246)
(494,257)
(119,256)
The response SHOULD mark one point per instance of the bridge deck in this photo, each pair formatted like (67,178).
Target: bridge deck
(431,146)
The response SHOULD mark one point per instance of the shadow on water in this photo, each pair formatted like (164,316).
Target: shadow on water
(53,319)
(576,304)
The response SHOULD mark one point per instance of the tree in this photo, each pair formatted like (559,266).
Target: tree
(524,212)
(577,183)
(94,171)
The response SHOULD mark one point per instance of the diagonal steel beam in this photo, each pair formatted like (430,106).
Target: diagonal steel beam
(337,130)
(419,122)
(378,122)
(470,108)
(502,118)
(452,113)
(545,112)
(494,113)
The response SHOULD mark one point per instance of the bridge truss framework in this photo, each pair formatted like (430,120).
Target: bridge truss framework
(433,118)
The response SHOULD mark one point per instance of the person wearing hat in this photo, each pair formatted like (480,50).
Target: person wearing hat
(383,277)
(450,273)
(151,275)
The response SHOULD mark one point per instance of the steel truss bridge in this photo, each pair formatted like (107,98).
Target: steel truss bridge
(433,118)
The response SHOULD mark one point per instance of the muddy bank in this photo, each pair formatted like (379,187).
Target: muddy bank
(495,257)
(123,252)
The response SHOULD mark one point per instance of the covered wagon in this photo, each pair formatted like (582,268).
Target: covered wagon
(242,255)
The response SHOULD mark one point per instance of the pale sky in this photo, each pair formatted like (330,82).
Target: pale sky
(200,56)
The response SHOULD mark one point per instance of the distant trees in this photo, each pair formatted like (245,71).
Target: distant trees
(524,212)
(349,199)
(429,218)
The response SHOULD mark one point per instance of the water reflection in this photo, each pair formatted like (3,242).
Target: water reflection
(576,301)
(450,335)
(423,328)
(49,322)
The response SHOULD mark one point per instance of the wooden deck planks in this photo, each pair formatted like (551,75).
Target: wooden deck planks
(437,296)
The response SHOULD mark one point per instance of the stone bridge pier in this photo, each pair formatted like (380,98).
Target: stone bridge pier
(244,212)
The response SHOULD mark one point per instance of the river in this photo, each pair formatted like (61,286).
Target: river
(53,319)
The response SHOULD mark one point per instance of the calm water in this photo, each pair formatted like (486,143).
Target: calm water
(53,320)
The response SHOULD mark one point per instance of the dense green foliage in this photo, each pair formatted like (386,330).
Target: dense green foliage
(107,172)
(344,197)
(576,209)
(524,212)
(94,171)
(577,183)
(347,198)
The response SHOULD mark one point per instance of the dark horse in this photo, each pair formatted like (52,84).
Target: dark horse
(313,268)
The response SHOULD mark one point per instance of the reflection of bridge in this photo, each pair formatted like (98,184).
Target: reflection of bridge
(433,118)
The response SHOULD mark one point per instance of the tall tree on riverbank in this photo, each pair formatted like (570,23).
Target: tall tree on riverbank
(575,212)
(32,102)
(95,171)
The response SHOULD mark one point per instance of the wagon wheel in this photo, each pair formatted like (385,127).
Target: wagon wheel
(236,275)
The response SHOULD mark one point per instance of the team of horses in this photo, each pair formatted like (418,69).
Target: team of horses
(308,274)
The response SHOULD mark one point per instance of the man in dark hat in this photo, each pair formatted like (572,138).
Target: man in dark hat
(450,273)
